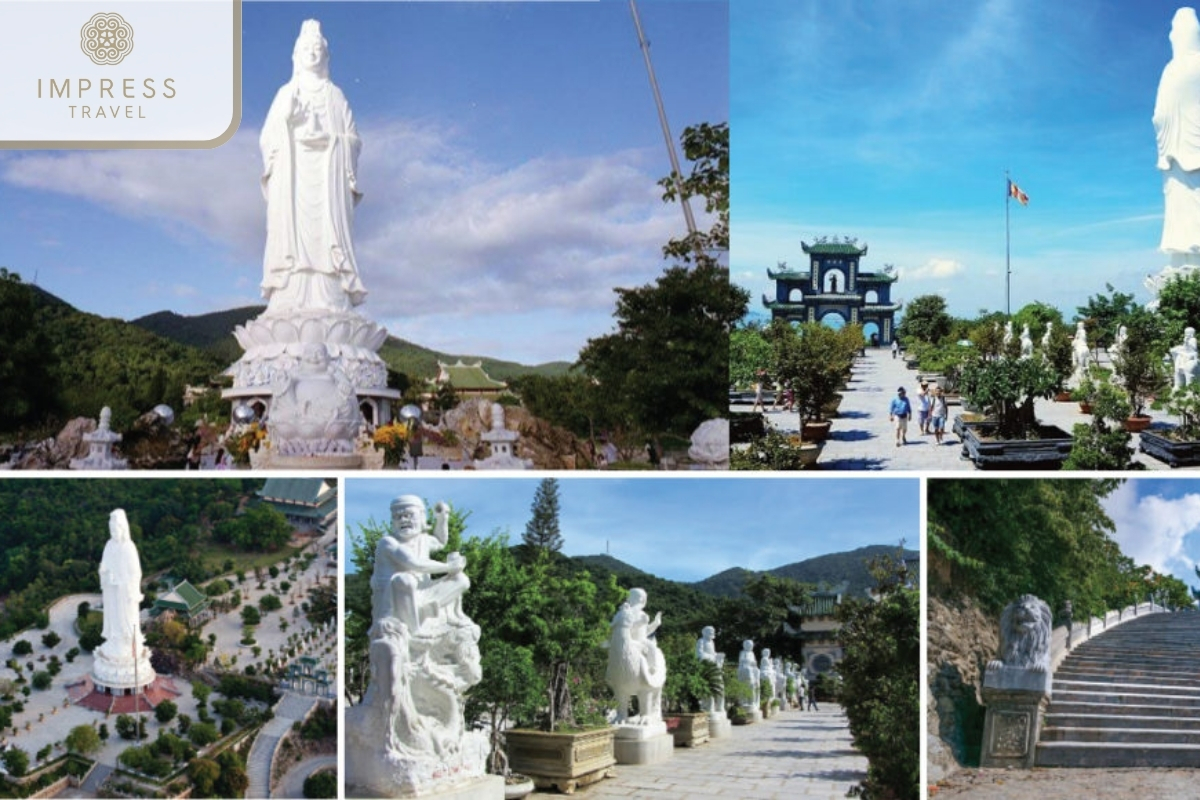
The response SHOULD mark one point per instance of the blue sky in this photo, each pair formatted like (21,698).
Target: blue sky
(895,122)
(511,153)
(685,529)
(1158,523)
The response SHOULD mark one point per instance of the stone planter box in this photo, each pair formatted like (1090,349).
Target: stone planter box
(809,453)
(562,761)
(1048,452)
(744,427)
(1169,451)
(688,730)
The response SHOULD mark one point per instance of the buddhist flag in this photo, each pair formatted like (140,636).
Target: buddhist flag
(1015,192)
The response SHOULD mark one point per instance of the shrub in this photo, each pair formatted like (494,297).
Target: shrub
(165,711)
(83,739)
(22,648)
(202,734)
(50,639)
(130,728)
(321,785)
(42,680)
(16,761)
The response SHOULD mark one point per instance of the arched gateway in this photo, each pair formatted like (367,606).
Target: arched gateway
(834,285)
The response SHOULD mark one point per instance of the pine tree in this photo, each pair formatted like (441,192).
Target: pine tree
(542,532)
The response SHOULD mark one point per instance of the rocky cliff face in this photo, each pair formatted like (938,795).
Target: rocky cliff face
(962,639)
(550,447)
(56,453)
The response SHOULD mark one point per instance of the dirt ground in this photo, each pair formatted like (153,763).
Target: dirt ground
(1070,784)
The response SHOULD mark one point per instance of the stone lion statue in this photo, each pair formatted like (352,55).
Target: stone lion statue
(1025,635)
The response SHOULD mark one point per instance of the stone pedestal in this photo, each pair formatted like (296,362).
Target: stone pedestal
(719,727)
(635,744)
(325,463)
(1016,700)
(754,714)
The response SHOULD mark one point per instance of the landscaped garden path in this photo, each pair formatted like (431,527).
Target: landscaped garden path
(798,755)
(862,438)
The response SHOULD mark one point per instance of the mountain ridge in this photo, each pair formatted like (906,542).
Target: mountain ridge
(214,332)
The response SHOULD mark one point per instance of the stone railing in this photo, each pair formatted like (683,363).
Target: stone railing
(1083,630)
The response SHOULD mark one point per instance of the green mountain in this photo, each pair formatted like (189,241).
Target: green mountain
(214,332)
(831,569)
(203,330)
(85,362)
(606,563)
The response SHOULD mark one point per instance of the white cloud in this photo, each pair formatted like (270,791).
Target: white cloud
(1152,529)
(934,268)
(440,230)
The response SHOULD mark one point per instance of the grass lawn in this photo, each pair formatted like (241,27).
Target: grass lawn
(214,555)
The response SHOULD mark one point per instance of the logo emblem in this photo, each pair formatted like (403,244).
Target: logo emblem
(106,38)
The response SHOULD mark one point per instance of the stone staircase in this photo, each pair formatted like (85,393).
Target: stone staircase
(1129,697)
(97,777)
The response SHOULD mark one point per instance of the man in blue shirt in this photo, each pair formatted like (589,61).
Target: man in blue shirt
(900,412)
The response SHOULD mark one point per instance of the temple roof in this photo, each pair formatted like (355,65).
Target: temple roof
(297,491)
(834,249)
(185,595)
(821,604)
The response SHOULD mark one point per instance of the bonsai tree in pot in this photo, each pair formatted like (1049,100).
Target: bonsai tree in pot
(690,681)
(812,360)
(1058,355)
(1006,389)
(1184,404)
(511,690)
(1138,363)
(737,694)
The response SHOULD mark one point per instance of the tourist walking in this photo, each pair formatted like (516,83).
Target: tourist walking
(812,697)
(923,406)
(900,412)
(938,413)
(760,378)
(895,348)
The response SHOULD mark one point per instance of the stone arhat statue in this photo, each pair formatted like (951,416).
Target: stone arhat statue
(408,737)
(636,666)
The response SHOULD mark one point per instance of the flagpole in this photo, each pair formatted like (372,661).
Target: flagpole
(1007,252)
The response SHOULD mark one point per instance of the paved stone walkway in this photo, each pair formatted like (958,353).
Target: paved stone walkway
(795,756)
(292,782)
(862,438)
(290,708)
